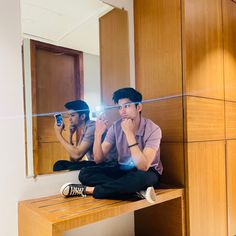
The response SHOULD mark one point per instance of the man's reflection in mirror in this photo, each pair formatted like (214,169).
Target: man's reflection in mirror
(81,137)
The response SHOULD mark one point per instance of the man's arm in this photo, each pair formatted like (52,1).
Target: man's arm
(142,159)
(76,152)
(100,150)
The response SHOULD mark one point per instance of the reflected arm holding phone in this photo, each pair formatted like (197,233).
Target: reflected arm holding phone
(75,151)
(82,128)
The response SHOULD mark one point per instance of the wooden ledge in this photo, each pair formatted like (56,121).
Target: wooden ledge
(54,214)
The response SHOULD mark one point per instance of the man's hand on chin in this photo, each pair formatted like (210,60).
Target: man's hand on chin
(128,126)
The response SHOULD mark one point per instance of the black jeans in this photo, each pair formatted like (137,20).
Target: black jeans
(117,181)
(78,165)
(72,165)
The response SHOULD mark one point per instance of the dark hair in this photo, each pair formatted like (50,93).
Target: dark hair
(79,106)
(130,93)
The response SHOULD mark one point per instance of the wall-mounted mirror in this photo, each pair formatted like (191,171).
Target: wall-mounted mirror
(70,51)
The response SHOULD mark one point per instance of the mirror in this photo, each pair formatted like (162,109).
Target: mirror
(64,36)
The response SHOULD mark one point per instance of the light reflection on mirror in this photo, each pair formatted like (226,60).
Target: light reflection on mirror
(71,24)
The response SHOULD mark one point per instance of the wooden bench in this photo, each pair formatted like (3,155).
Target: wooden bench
(53,215)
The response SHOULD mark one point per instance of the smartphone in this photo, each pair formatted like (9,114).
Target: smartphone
(59,119)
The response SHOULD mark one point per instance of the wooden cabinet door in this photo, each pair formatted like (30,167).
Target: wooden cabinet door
(114,56)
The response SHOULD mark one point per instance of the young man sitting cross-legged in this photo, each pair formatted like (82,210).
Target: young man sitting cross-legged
(137,141)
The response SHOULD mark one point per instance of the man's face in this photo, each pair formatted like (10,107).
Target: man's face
(128,110)
(74,118)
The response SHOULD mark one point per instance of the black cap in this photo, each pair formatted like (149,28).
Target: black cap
(77,105)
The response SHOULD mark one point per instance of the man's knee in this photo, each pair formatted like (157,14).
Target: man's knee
(61,165)
(147,178)
(85,175)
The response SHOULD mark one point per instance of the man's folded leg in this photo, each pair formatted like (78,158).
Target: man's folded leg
(129,183)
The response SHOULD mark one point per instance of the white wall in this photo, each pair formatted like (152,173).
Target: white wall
(14,185)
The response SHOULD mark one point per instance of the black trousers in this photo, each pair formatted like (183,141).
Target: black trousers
(117,181)
(72,165)
(78,165)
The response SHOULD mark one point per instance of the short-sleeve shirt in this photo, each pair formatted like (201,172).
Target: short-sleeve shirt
(148,135)
(87,135)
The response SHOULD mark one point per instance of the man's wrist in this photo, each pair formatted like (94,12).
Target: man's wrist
(130,137)
(132,145)
(98,135)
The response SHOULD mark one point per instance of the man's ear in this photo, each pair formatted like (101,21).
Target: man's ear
(82,117)
(139,107)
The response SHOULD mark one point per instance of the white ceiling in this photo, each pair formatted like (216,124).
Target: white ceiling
(68,23)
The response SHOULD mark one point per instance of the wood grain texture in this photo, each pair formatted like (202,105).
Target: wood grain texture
(203,48)
(49,148)
(49,153)
(56,79)
(168,114)
(172,157)
(47,132)
(32,224)
(206,189)
(229,34)
(146,220)
(34,106)
(231,187)
(114,53)
(157,29)
(230,120)
(204,119)
(51,216)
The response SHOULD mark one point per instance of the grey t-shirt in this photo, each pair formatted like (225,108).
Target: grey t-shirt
(87,135)
(148,135)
